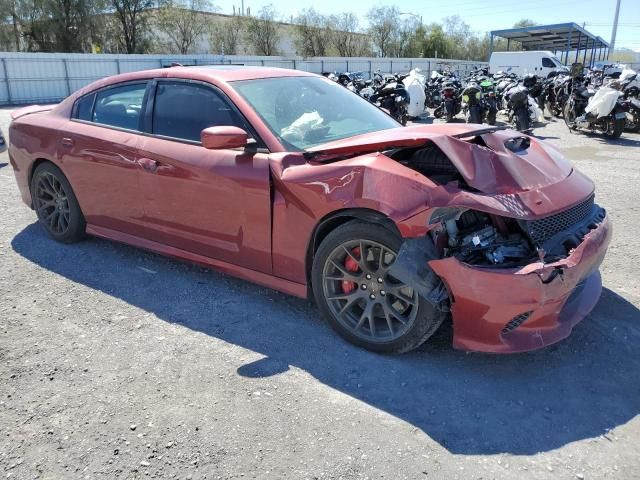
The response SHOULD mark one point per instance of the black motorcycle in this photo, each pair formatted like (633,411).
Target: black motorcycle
(394,98)
(450,105)
(472,100)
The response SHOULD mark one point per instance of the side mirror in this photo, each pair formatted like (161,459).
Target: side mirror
(217,138)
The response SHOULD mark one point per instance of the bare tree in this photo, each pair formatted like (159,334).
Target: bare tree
(225,35)
(346,39)
(262,31)
(183,22)
(133,21)
(383,27)
(313,33)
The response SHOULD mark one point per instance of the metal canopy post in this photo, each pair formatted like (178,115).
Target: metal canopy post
(568,45)
(490,46)
(578,47)
(584,56)
(508,43)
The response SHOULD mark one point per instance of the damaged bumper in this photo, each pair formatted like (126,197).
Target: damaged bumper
(517,310)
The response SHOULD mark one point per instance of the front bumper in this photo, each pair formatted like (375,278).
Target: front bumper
(517,310)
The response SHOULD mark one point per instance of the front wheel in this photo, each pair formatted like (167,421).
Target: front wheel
(361,300)
(56,205)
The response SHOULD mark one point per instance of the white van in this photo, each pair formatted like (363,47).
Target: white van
(537,62)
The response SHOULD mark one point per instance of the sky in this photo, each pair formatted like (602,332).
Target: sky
(485,15)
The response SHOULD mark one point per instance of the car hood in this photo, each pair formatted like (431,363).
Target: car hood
(497,161)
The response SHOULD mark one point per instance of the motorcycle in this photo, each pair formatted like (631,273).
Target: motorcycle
(516,98)
(472,103)
(394,98)
(631,102)
(450,105)
(601,111)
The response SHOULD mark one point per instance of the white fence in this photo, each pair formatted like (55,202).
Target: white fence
(49,77)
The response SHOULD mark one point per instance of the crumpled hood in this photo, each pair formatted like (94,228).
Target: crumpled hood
(490,169)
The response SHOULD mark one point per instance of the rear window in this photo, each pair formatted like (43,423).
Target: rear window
(120,106)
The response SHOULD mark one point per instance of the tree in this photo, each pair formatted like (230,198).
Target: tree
(133,22)
(345,38)
(262,31)
(313,33)
(225,35)
(183,22)
(525,22)
(383,27)
(435,42)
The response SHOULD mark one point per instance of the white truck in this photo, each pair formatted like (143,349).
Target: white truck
(538,62)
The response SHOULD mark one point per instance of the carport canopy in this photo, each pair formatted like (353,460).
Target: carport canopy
(563,37)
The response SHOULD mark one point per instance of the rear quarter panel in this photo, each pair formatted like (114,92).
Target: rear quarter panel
(32,137)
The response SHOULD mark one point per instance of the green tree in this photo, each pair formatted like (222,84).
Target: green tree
(262,32)
(134,24)
(313,33)
(183,22)
(384,24)
(225,35)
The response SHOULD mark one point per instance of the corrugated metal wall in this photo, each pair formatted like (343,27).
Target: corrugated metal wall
(49,77)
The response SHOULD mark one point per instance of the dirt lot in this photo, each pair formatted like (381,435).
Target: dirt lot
(116,363)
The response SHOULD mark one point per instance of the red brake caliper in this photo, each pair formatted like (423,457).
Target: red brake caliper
(352,266)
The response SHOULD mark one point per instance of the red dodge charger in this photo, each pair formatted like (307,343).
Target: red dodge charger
(289,180)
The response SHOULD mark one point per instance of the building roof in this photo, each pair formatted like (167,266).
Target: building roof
(561,36)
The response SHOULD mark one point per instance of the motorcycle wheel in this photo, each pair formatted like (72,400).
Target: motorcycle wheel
(522,119)
(491,117)
(569,117)
(437,113)
(613,127)
(475,115)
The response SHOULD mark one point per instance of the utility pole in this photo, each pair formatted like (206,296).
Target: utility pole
(615,27)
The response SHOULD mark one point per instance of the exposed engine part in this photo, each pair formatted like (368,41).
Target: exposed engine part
(477,238)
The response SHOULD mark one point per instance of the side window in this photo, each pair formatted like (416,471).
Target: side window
(120,106)
(547,62)
(84,107)
(183,110)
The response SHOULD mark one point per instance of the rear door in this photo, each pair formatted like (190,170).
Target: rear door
(98,151)
(215,203)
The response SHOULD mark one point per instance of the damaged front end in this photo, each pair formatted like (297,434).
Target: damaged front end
(516,280)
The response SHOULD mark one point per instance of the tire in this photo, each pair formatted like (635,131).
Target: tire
(56,204)
(330,267)
(522,119)
(569,116)
(615,127)
(475,114)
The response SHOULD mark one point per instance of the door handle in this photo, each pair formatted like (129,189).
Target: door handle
(67,142)
(148,164)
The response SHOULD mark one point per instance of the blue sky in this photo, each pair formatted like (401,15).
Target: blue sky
(485,15)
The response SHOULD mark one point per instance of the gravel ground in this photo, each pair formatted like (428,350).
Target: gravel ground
(116,363)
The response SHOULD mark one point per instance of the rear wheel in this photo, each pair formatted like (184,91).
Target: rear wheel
(613,127)
(522,119)
(361,300)
(56,205)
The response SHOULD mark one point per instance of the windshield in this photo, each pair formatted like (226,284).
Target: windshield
(304,112)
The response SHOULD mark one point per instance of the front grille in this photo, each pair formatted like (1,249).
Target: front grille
(543,229)
(515,322)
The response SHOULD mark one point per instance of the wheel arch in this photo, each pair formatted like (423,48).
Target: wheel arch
(32,168)
(335,219)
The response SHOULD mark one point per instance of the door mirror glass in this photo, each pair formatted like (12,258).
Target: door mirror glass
(216,138)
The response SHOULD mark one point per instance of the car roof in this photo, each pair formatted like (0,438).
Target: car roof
(224,73)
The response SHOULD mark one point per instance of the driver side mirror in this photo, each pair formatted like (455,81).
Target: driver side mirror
(218,138)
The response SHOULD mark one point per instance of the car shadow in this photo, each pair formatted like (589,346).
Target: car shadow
(469,403)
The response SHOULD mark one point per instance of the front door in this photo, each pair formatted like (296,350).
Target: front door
(214,203)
